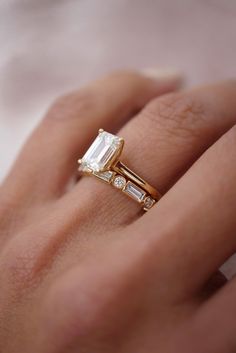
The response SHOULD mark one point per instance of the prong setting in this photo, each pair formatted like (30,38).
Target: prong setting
(102,160)
(102,153)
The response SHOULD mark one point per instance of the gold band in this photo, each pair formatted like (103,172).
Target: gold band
(102,161)
(126,172)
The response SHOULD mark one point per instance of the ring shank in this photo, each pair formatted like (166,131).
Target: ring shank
(122,169)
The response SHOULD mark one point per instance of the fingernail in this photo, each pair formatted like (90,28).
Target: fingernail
(164,75)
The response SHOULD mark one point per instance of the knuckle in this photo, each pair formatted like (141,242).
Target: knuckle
(73,106)
(178,113)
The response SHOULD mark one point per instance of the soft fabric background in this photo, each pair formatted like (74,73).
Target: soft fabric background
(48,47)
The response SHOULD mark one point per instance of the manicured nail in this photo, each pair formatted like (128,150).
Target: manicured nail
(164,75)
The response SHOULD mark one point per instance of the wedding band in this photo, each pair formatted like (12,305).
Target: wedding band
(102,161)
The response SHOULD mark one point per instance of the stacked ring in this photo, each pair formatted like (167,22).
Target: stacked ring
(102,161)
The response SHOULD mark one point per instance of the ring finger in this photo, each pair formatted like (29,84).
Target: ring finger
(161,144)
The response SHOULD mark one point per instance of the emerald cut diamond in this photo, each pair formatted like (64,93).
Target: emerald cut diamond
(105,148)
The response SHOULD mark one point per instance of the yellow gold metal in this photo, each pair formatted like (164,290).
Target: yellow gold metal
(124,179)
(120,168)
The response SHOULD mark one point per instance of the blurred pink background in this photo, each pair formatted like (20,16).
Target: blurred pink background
(49,47)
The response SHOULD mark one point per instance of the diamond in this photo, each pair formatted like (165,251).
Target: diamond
(106,176)
(149,202)
(119,182)
(134,191)
(102,151)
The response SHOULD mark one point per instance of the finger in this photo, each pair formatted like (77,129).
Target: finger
(49,157)
(196,220)
(217,281)
(160,144)
(215,322)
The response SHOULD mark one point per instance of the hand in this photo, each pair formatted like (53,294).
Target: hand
(81,269)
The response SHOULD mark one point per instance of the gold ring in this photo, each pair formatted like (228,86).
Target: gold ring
(102,161)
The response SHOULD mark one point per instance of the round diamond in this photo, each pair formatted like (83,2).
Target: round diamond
(119,182)
(148,202)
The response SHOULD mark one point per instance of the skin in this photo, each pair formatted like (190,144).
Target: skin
(82,269)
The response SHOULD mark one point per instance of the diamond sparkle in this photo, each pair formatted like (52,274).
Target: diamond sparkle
(106,176)
(101,152)
(149,202)
(134,191)
(119,182)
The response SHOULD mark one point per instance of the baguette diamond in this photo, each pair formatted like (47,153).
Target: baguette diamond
(134,191)
(106,176)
